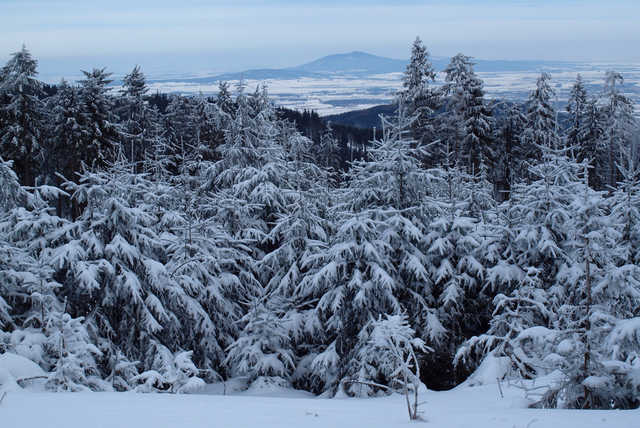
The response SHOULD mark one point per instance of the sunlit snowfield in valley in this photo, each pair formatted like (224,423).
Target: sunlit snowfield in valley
(343,93)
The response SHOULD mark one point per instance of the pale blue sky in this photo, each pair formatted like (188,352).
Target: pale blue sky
(232,35)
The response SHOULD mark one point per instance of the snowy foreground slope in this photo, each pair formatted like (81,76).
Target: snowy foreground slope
(477,407)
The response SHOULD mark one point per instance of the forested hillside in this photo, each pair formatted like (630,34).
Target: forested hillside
(155,243)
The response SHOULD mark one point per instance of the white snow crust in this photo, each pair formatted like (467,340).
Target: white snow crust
(463,407)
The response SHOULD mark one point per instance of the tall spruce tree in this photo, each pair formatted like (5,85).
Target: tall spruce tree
(577,106)
(419,97)
(466,119)
(22,136)
(102,133)
(618,124)
(140,127)
(541,126)
(508,129)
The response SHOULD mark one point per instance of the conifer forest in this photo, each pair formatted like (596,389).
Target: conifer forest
(161,242)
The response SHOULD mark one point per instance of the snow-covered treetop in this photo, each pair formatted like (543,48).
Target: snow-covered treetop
(419,73)
(135,84)
(18,75)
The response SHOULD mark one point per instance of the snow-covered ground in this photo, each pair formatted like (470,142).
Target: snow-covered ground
(478,403)
(465,406)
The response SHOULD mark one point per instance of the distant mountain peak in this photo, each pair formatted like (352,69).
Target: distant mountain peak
(355,61)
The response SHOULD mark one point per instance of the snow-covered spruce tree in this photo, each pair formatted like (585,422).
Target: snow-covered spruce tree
(224,99)
(593,131)
(248,179)
(577,109)
(100,128)
(259,102)
(375,261)
(523,308)
(453,241)
(40,328)
(298,237)
(264,346)
(32,232)
(500,251)
(619,121)
(68,135)
(541,126)
(521,274)
(140,127)
(327,154)
(622,343)
(595,288)
(22,138)
(389,349)
(212,272)
(300,229)
(115,257)
(625,207)
(395,184)
(196,124)
(355,281)
(585,130)
(74,365)
(302,236)
(516,289)
(466,121)
(266,193)
(510,123)
(168,372)
(103,264)
(210,120)
(251,170)
(542,210)
(418,96)
(179,121)
(14,263)
(66,129)
(11,193)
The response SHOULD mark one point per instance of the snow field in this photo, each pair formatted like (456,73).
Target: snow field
(463,407)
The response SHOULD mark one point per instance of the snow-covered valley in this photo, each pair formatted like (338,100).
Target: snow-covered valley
(342,91)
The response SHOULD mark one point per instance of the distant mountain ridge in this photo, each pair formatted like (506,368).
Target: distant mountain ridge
(352,63)
(358,64)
